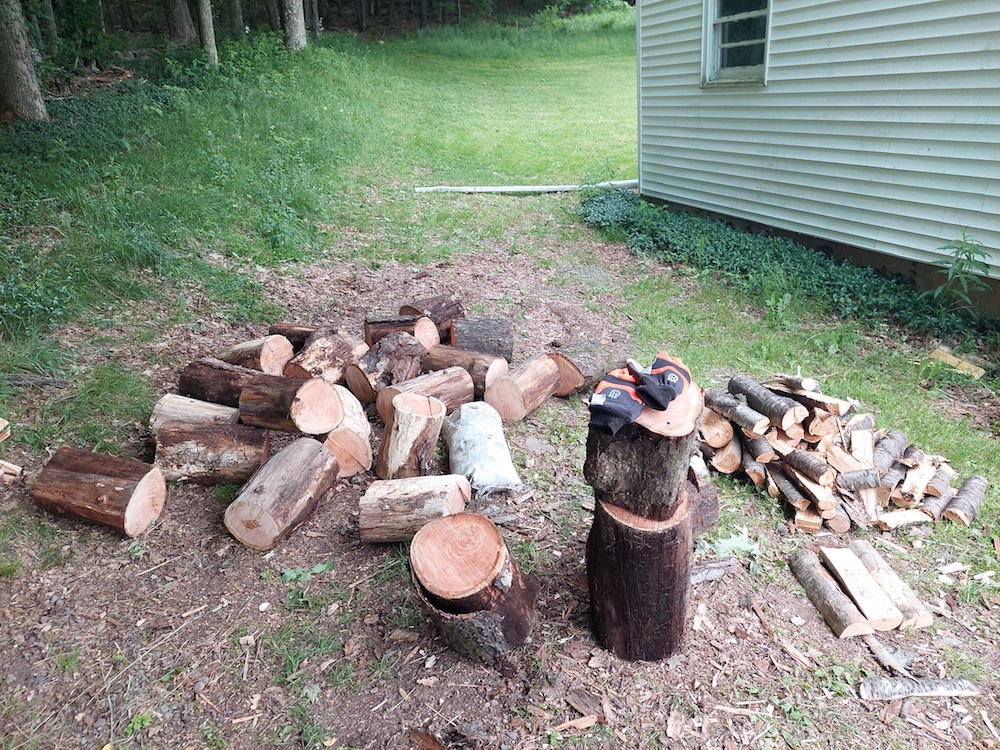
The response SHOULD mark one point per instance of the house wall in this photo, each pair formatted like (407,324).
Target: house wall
(879,126)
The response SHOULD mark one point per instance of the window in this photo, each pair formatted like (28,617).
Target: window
(735,39)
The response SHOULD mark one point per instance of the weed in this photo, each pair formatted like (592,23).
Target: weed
(68,661)
(964,274)
(213,738)
(138,722)
(9,568)
(383,667)
(300,574)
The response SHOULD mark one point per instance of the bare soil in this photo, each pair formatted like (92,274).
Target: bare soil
(186,639)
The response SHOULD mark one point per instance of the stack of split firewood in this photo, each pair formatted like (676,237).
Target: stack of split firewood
(8,471)
(826,460)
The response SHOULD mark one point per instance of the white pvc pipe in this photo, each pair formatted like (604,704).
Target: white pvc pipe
(526,188)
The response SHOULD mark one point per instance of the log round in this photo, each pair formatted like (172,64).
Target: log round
(442,309)
(409,443)
(394,510)
(422,328)
(489,335)
(269,354)
(296,333)
(174,408)
(209,453)
(307,405)
(485,369)
(393,359)
(125,494)
(351,440)
(210,379)
(326,354)
(524,389)
(639,572)
(452,386)
(581,366)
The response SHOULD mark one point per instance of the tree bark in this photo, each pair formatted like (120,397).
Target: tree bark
(174,408)
(964,507)
(122,493)
(210,454)
(307,405)
(326,354)
(393,359)
(269,354)
(394,510)
(237,28)
(296,333)
(485,369)
(488,335)
(20,95)
(51,28)
(782,411)
(730,407)
(581,366)
(293,21)
(524,389)
(206,25)
(409,443)
(180,24)
(282,495)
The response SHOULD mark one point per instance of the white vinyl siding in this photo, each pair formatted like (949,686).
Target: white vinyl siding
(879,126)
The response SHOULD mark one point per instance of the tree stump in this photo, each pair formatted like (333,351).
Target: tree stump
(210,454)
(394,510)
(122,493)
(409,443)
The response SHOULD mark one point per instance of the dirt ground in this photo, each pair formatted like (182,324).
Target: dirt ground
(186,639)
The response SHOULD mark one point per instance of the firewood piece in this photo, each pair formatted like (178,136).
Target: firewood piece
(863,421)
(729,458)
(174,408)
(755,471)
(808,520)
(897,518)
(811,466)
(896,688)
(485,369)
(714,429)
(839,612)
(639,576)
(821,495)
(840,522)
(582,365)
(441,308)
(267,354)
(525,388)
(4,429)
(393,359)
(307,405)
(409,442)
(283,493)
(888,450)
(704,499)
(472,587)
(939,484)
(216,381)
(964,507)
(934,505)
(915,614)
(813,399)
(737,412)
(210,454)
(478,450)
(781,410)
(794,383)
(422,328)
(841,460)
(787,488)
(296,333)
(760,449)
(9,472)
(916,479)
(350,441)
(394,510)
(819,424)
(863,451)
(326,354)
(453,386)
(912,457)
(122,493)
(489,335)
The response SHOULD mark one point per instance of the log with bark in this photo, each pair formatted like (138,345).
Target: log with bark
(441,308)
(914,484)
(898,518)
(477,448)
(934,505)
(752,422)
(715,430)
(794,383)
(939,484)
(409,443)
(125,494)
(582,365)
(269,354)
(453,386)
(729,458)
(394,510)
(964,507)
(472,587)
(422,328)
(812,399)
(296,333)
(210,454)
(869,597)
(840,521)
(350,441)
(525,388)
(393,359)
(783,412)
(283,494)
(216,381)
(174,408)
(897,688)
(488,335)
(811,466)
(326,354)
(298,405)
(839,612)
(485,369)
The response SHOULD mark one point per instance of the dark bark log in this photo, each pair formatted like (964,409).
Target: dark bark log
(269,354)
(215,381)
(781,410)
(736,411)
(210,454)
(964,507)
(442,309)
(934,505)
(812,466)
(296,333)
(488,335)
(307,405)
(485,369)
(582,365)
(394,359)
(420,327)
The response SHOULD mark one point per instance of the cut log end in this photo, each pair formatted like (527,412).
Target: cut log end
(316,408)
(146,503)
(457,556)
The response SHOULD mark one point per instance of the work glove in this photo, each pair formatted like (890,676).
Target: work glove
(661,382)
(614,402)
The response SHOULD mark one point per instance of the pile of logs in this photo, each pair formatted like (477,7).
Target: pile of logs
(8,471)
(826,461)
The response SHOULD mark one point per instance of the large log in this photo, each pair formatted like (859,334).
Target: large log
(122,493)
(964,507)
(326,354)
(453,386)
(839,612)
(409,443)
(210,453)
(394,510)
(485,369)
(525,388)
(282,495)
(781,410)
(581,366)
(423,329)
(213,380)
(307,405)
(269,354)
(488,335)
(174,408)
(639,571)
(350,441)
(477,448)
(441,308)
(393,359)
(296,333)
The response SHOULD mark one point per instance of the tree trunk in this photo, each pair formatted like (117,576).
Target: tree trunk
(293,19)
(180,24)
(312,17)
(20,96)
(51,29)
(122,493)
(518,393)
(269,354)
(409,443)
(210,454)
(394,510)
(206,26)
(273,16)
(282,495)
(237,28)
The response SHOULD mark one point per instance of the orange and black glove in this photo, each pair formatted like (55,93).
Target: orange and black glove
(614,402)
(661,382)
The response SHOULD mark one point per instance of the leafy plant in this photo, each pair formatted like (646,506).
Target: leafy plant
(138,722)
(964,274)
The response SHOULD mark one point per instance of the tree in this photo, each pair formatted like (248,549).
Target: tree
(293,19)
(180,24)
(236,26)
(20,96)
(207,28)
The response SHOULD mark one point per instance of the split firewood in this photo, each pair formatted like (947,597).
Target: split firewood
(856,509)
(869,597)
(813,399)
(307,405)
(4,429)
(489,335)
(964,507)
(394,510)
(174,408)
(713,429)
(807,520)
(296,333)
(782,411)
(840,521)
(939,484)
(282,495)
(216,381)
(864,449)
(755,470)
(485,369)
(889,483)
(934,505)
(267,354)
(350,441)
(9,472)
(911,491)
(888,450)
(896,688)
(761,449)
(863,421)
(794,383)
(841,460)
(477,448)
(409,443)
(393,359)
(453,386)
(422,328)
(326,354)
(207,454)
(811,466)
(819,424)
(915,614)
(582,365)
(122,493)
(786,488)
(523,389)
(897,518)
(472,587)
(441,308)
(728,458)
(838,611)
(912,457)
(737,412)
(821,495)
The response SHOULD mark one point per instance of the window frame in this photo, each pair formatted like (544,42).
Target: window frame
(712,72)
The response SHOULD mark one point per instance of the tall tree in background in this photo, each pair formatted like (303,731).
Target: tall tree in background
(293,19)
(180,24)
(206,26)
(236,26)
(20,96)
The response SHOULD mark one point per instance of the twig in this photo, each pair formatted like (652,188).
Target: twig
(883,656)
(989,725)
(160,565)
